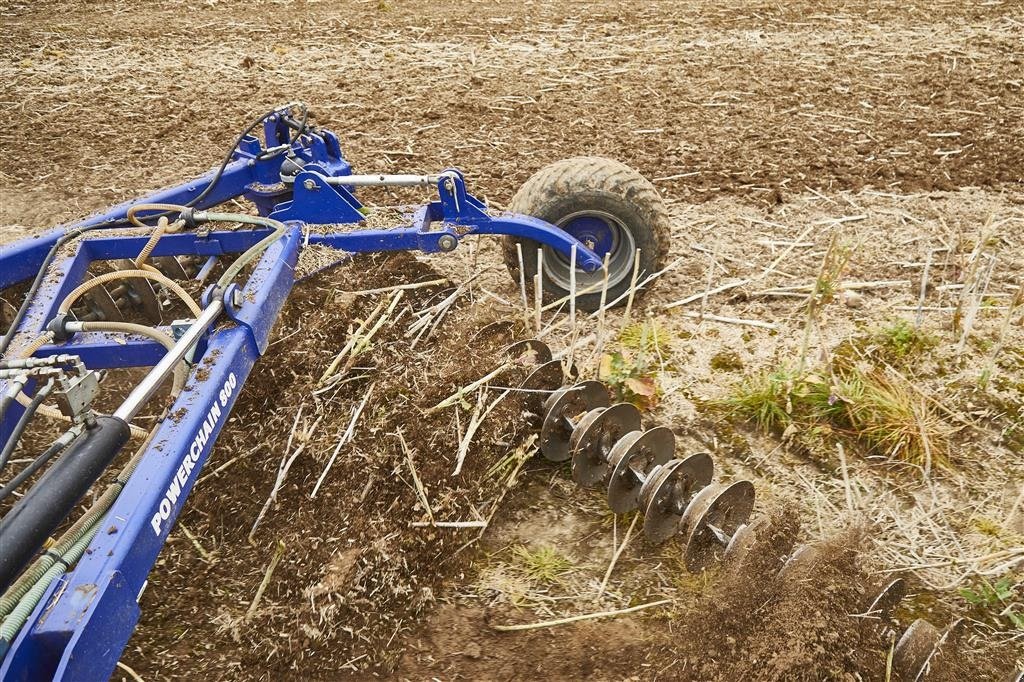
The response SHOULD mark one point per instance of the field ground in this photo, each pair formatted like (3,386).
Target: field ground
(780,135)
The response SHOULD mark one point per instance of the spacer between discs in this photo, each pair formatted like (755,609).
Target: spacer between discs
(631,461)
(561,410)
(594,437)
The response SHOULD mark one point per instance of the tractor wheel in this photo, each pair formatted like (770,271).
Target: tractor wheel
(606,205)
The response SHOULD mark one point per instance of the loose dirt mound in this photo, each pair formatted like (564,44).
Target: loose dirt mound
(353,575)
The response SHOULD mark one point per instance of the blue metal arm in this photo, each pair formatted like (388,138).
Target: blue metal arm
(86,616)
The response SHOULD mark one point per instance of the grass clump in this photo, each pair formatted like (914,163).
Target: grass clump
(764,398)
(996,602)
(899,340)
(879,410)
(541,566)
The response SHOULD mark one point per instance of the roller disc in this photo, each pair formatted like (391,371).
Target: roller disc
(915,649)
(99,301)
(547,377)
(665,493)
(631,460)
(887,599)
(572,372)
(141,293)
(800,562)
(171,266)
(710,532)
(561,410)
(527,353)
(592,441)
(743,541)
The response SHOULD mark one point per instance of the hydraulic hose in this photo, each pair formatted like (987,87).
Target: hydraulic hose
(23,421)
(100,507)
(180,372)
(56,446)
(47,503)
(46,410)
(159,277)
(13,621)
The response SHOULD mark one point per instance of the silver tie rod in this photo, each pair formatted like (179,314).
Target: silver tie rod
(149,385)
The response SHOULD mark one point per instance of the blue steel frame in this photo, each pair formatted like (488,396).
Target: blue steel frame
(85,618)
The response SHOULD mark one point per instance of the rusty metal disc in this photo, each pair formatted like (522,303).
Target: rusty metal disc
(561,412)
(527,353)
(547,377)
(592,441)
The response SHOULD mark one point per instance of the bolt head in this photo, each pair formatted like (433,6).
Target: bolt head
(447,242)
(309,184)
(236,298)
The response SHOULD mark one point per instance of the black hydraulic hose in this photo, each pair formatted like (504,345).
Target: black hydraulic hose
(224,164)
(24,530)
(5,342)
(23,475)
(8,336)
(23,421)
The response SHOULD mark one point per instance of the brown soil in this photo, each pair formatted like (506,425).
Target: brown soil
(756,120)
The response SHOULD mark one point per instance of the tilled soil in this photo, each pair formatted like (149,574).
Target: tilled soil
(754,110)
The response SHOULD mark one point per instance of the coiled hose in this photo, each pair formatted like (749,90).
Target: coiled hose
(13,621)
(25,593)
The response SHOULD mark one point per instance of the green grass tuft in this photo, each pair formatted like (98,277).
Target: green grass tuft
(544,565)
(764,398)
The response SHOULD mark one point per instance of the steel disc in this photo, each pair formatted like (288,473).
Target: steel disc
(631,461)
(592,441)
(887,599)
(547,377)
(141,293)
(800,562)
(665,494)
(171,266)
(527,353)
(99,300)
(915,649)
(562,409)
(710,530)
(742,543)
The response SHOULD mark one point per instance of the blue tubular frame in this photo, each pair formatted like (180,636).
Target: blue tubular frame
(86,616)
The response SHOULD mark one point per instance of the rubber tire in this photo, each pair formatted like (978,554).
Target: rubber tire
(591,183)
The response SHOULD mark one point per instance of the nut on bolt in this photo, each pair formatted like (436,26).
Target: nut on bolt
(236,298)
(446,242)
(310,184)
